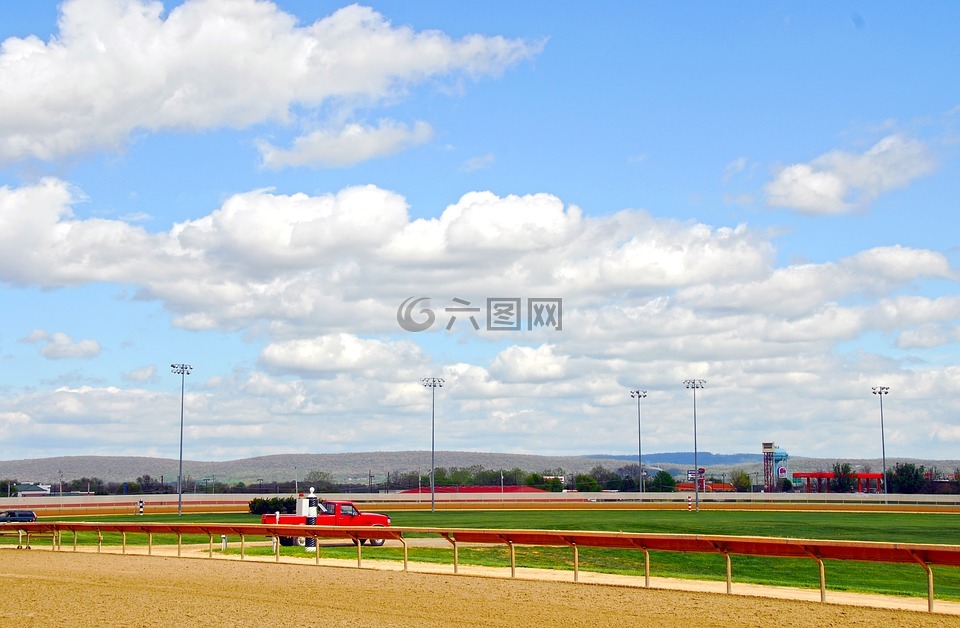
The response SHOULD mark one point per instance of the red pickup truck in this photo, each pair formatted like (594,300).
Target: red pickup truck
(331,513)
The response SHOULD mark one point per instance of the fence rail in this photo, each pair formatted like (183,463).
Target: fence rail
(924,555)
(55,506)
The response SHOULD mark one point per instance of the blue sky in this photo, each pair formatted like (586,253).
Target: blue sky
(759,195)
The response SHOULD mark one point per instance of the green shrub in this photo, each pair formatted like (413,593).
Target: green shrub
(260,506)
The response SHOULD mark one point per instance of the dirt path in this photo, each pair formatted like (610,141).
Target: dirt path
(87,588)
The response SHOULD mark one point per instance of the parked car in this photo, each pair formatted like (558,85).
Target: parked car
(17,516)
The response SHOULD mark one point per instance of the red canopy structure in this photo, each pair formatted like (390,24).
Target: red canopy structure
(863,480)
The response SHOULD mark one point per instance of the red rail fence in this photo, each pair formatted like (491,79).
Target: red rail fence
(68,505)
(924,555)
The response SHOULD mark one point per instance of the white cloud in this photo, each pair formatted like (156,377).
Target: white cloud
(735,167)
(136,217)
(60,346)
(346,146)
(795,290)
(484,221)
(143,374)
(648,302)
(839,182)
(35,336)
(338,353)
(41,242)
(118,67)
(480,162)
(930,335)
(528,364)
(255,414)
(268,233)
(312,281)
(309,265)
(8,419)
(895,264)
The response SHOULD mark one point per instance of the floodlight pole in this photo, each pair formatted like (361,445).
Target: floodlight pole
(182,370)
(695,384)
(432,383)
(880,391)
(638,395)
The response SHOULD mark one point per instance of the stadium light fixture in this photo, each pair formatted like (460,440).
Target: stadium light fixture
(432,383)
(182,370)
(880,391)
(638,395)
(694,384)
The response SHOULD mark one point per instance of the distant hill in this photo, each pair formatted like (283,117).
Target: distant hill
(357,467)
(704,458)
(343,467)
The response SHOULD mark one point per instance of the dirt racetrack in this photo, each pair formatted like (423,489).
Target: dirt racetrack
(87,589)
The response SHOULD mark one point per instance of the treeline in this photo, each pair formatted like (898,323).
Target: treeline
(147,485)
(599,478)
(902,478)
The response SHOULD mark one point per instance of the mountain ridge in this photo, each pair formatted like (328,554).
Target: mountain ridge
(359,466)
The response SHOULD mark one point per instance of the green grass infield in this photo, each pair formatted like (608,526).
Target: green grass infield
(883,578)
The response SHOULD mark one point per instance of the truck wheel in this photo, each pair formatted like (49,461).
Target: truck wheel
(301,541)
(286,541)
(377,542)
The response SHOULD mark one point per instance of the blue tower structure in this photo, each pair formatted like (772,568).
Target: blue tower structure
(780,464)
(774,466)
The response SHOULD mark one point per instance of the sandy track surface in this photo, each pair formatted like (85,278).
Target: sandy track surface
(86,588)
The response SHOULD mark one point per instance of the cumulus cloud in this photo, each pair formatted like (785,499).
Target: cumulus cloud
(313,281)
(484,221)
(143,374)
(42,243)
(801,288)
(268,233)
(346,146)
(319,278)
(337,353)
(529,364)
(35,336)
(8,419)
(333,263)
(118,67)
(60,346)
(928,336)
(838,182)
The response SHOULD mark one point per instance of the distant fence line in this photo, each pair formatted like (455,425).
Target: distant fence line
(66,505)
